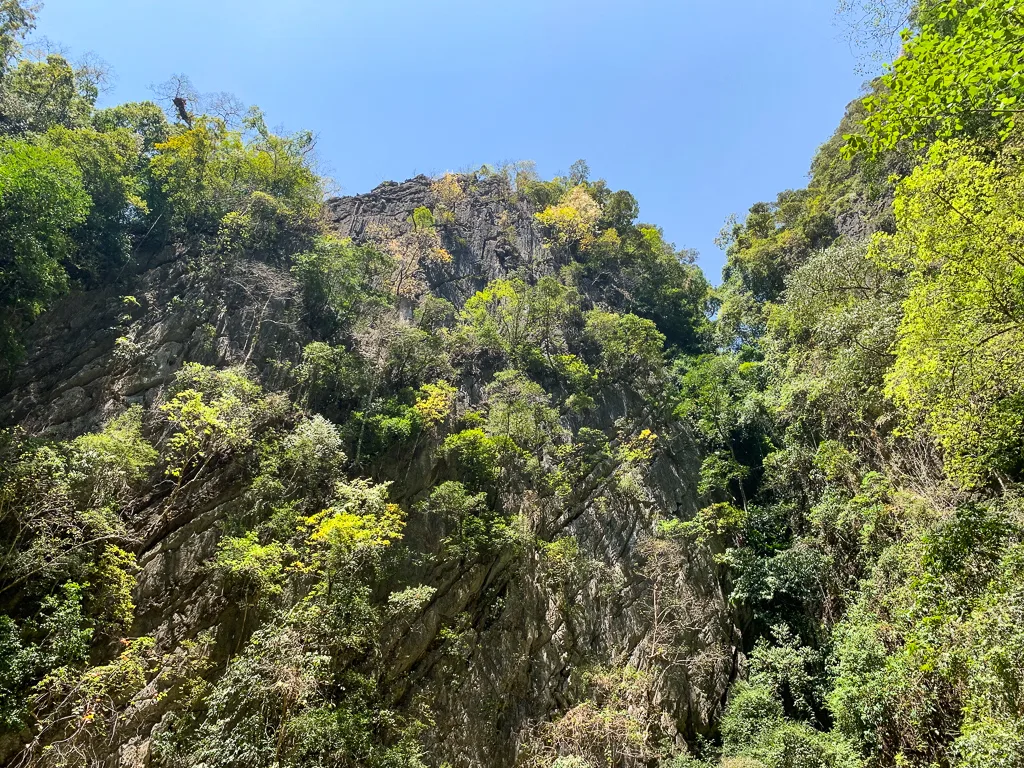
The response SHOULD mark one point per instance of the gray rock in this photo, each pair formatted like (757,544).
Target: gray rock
(526,639)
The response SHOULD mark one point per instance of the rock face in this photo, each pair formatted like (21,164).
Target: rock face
(96,353)
(525,632)
(492,233)
(529,635)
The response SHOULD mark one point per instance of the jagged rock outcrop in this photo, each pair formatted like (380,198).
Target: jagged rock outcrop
(525,637)
(97,352)
(492,232)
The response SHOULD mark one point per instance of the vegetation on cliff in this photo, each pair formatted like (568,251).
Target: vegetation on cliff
(854,388)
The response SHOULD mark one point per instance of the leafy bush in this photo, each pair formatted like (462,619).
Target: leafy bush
(475,457)
(212,413)
(754,727)
(254,569)
(42,200)
(630,348)
(572,221)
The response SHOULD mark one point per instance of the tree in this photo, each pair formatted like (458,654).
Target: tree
(38,95)
(42,199)
(254,189)
(572,221)
(341,281)
(962,73)
(143,118)
(111,167)
(17,19)
(960,354)
(520,321)
(630,347)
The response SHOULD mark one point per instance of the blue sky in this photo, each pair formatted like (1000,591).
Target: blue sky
(699,108)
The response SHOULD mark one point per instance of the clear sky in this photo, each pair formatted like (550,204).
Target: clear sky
(698,107)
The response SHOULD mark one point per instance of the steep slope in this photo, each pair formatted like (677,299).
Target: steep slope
(499,647)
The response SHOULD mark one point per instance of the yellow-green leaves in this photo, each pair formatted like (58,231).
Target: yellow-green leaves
(434,402)
(960,355)
(962,74)
(253,567)
(571,223)
(356,528)
(208,172)
(213,412)
(113,462)
(448,191)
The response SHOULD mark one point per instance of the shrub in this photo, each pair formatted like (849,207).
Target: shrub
(42,200)
(572,221)
(253,568)
(475,457)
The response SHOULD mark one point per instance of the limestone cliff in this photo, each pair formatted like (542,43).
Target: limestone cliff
(516,634)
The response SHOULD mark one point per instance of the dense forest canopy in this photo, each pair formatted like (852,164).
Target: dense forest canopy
(855,388)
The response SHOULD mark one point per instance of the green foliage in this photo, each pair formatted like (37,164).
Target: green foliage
(36,95)
(565,565)
(330,376)
(111,166)
(754,727)
(958,360)
(791,672)
(313,448)
(290,697)
(66,580)
(83,707)
(255,568)
(17,19)
(112,603)
(620,211)
(42,199)
(720,397)
(475,529)
(355,529)
(634,270)
(58,638)
(961,73)
(16,669)
(475,458)
(66,635)
(577,459)
(112,463)
(411,357)
(422,218)
(519,412)
(62,505)
(524,323)
(773,241)
(908,657)
(274,706)
(254,190)
(144,119)
(831,341)
(630,348)
(411,600)
(385,424)
(855,407)
(434,402)
(212,414)
(338,281)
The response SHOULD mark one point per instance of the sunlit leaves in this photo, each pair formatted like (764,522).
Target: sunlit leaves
(962,73)
(958,359)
